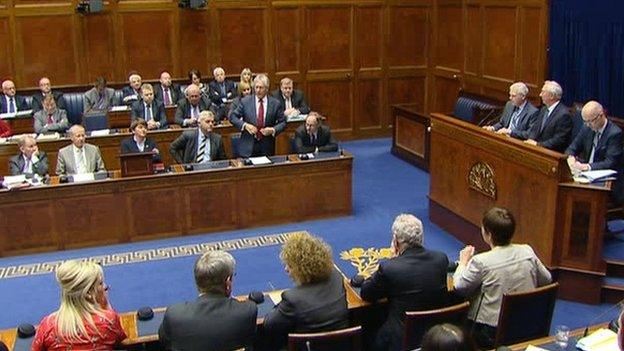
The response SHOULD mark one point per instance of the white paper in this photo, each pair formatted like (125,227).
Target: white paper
(83,177)
(296,118)
(7,115)
(50,136)
(23,113)
(100,132)
(276,296)
(14,179)
(600,340)
(534,348)
(598,174)
(262,160)
(120,108)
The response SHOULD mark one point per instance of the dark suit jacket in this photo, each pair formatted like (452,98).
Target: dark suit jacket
(158,112)
(183,111)
(37,101)
(215,95)
(174,91)
(307,309)
(20,103)
(16,164)
(324,140)
(525,120)
(128,146)
(184,148)
(557,131)
(296,99)
(212,322)
(413,281)
(245,112)
(128,91)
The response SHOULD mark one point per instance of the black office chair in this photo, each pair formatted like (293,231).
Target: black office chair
(348,339)
(418,322)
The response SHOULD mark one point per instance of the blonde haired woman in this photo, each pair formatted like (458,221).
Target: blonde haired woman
(245,77)
(85,319)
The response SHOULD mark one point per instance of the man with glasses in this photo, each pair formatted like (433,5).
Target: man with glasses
(597,146)
(553,125)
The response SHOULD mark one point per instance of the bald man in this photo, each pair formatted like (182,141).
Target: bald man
(10,102)
(189,108)
(597,146)
(45,88)
(30,160)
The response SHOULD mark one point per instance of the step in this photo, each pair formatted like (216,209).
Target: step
(612,290)
(615,268)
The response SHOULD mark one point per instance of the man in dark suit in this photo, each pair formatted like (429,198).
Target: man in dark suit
(51,118)
(167,92)
(553,125)
(10,102)
(215,321)
(314,137)
(149,109)
(139,142)
(132,92)
(597,146)
(200,144)
(45,88)
(220,91)
(189,108)
(293,101)
(30,160)
(415,279)
(260,118)
(518,115)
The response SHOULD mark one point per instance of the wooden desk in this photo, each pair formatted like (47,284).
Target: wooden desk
(65,216)
(110,145)
(473,169)
(575,335)
(410,136)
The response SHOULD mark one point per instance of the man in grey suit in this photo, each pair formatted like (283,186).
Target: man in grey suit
(99,97)
(200,144)
(292,99)
(215,320)
(79,157)
(50,119)
(260,118)
(518,115)
(30,160)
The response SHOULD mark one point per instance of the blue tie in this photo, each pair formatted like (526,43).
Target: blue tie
(11,108)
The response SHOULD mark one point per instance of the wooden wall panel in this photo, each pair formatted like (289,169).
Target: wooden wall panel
(287,40)
(47,46)
(328,41)
(474,38)
(407,90)
(333,99)
(531,57)
(449,45)
(369,36)
(242,42)
(99,46)
(194,42)
(369,108)
(409,32)
(6,52)
(500,52)
(446,90)
(152,56)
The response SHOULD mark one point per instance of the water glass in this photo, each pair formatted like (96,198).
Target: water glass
(562,336)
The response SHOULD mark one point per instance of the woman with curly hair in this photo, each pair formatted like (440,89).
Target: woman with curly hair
(317,302)
(85,319)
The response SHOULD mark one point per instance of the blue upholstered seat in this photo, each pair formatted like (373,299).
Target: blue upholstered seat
(74,104)
(234,140)
(466,108)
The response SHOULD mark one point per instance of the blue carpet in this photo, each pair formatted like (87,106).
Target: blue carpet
(383,186)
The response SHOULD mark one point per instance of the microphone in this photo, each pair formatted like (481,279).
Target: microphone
(308,348)
(594,320)
(356,281)
(485,119)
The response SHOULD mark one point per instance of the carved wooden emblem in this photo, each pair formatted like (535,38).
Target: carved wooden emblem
(481,179)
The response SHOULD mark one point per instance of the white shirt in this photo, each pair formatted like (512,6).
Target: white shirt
(8,102)
(287,102)
(140,145)
(79,155)
(28,163)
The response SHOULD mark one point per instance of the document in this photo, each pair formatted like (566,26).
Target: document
(262,160)
(296,118)
(49,136)
(100,132)
(84,177)
(600,340)
(120,108)
(10,182)
(598,174)
(276,296)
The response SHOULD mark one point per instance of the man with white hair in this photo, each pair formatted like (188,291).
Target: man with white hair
(215,320)
(553,125)
(10,102)
(414,279)
(220,91)
(518,115)
(132,92)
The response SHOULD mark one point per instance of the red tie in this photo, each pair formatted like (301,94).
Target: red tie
(50,120)
(260,119)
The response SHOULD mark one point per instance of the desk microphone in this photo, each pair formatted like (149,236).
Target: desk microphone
(485,119)
(308,348)
(610,309)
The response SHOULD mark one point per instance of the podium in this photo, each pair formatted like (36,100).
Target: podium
(136,164)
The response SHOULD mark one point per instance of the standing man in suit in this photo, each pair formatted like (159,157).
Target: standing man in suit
(51,118)
(597,146)
(260,118)
(79,157)
(292,99)
(314,137)
(139,142)
(200,144)
(149,109)
(132,92)
(215,321)
(413,280)
(99,98)
(220,91)
(553,125)
(10,102)
(30,160)
(518,115)
(166,91)
(189,108)
(45,88)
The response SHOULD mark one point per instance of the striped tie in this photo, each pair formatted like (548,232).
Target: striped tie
(202,148)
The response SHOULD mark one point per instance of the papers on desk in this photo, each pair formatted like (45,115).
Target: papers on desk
(262,160)
(49,136)
(593,176)
(100,132)
(534,348)
(600,340)
(11,182)
(15,114)
(120,108)
(84,177)
(296,118)
(276,296)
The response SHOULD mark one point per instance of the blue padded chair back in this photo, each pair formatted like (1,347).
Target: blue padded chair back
(95,121)
(29,100)
(577,123)
(234,140)
(74,104)
(466,108)
(118,97)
